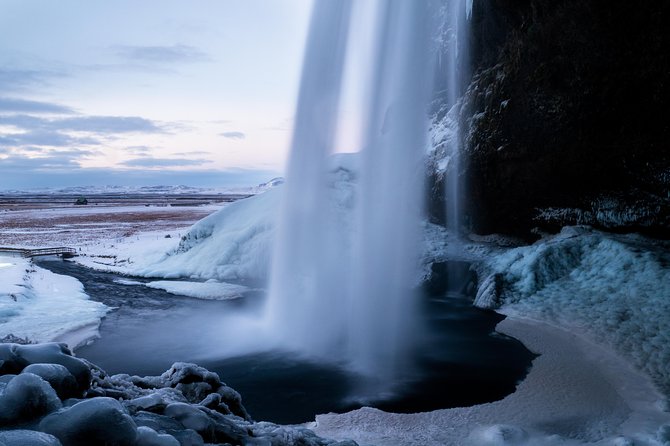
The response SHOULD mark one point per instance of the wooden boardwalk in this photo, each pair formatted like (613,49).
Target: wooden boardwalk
(62,251)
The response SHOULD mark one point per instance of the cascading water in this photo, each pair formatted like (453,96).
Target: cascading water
(387,243)
(346,295)
(302,307)
(458,13)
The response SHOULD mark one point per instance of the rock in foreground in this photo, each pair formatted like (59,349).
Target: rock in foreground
(48,398)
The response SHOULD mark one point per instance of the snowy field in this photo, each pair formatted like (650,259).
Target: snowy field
(595,306)
(38,305)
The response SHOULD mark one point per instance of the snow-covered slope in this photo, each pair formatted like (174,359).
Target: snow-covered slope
(229,244)
(42,306)
(236,242)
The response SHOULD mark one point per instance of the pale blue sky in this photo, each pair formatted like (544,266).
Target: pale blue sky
(98,92)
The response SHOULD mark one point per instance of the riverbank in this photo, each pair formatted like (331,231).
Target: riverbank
(40,306)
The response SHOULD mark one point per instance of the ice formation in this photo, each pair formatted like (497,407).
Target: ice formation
(614,289)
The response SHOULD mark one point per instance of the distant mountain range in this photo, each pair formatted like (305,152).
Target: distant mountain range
(158,190)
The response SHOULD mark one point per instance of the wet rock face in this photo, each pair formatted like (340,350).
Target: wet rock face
(566,116)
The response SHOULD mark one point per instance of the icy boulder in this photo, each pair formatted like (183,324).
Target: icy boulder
(94,421)
(149,437)
(58,377)
(27,438)
(187,405)
(26,397)
(14,358)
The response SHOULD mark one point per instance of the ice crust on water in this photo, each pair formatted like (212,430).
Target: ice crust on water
(42,306)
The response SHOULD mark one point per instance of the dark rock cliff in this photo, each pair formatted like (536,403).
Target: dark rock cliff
(566,117)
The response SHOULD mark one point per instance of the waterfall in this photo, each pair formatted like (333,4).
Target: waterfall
(302,308)
(458,14)
(348,297)
(391,192)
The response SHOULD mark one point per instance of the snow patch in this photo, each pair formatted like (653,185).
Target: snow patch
(200,290)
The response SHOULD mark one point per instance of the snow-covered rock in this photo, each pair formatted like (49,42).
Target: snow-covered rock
(26,397)
(14,358)
(93,421)
(186,405)
(58,377)
(24,437)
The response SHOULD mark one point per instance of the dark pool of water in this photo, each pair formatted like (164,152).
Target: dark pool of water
(460,360)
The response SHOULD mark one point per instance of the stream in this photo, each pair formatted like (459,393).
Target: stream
(460,359)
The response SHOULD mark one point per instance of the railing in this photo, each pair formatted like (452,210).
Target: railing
(60,251)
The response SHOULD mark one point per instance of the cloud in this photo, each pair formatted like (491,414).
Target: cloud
(13,79)
(93,124)
(34,130)
(193,153)
(161,54)
(163,162)
(21,163)
(108,124)
(233,135)
(138,150)
(24,106)
(45,137)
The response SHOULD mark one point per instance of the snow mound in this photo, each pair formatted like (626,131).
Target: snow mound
(229,244)
(236,242)
(200,290)
(42,306)
(613,288)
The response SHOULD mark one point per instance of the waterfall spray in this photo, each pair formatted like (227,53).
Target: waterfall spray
(300,299)
(348,296)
